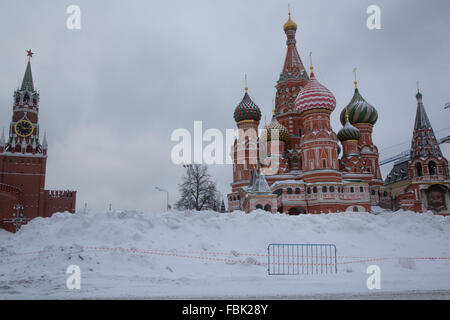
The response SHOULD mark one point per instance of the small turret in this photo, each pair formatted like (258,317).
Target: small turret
(44,142)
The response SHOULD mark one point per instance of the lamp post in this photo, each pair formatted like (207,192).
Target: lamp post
(167,192)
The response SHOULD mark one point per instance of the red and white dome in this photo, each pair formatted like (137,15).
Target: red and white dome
(314,96)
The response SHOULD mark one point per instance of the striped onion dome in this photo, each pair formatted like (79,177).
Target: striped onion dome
(359,111)
(314,96)
(247,110)
(273,130)
(348,132)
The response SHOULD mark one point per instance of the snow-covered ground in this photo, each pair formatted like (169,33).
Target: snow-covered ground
(210,255)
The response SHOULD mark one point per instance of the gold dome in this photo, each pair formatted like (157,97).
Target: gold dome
(290,25)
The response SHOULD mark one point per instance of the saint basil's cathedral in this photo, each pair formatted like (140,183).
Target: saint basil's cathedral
(311,175)
(23,160)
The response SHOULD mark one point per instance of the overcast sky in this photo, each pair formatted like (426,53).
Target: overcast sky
(113,92)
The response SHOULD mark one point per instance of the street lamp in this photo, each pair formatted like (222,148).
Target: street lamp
(159,189)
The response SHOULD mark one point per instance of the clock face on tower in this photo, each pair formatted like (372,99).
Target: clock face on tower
(23,128)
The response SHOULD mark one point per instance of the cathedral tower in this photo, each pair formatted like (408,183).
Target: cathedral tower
(293,78)
(319,144)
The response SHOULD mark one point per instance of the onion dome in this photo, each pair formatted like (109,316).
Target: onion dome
(359,111)
(247,110)
(290,25)
(348,132)
(274,130)
(314,96)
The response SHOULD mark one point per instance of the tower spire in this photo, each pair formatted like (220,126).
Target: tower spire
(356,81)
(245,81)
(27,82)
(311,67)
(424,143)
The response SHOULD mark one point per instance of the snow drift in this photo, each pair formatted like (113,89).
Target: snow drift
(128,254)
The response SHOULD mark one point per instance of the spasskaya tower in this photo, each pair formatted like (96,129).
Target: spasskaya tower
(23,159)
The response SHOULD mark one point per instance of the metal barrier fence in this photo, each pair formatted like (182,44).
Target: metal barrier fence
(294,259)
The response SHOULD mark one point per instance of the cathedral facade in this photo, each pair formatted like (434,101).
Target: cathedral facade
(299,164)
(23,158)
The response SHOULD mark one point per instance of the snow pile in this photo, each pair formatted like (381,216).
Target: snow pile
(189,254)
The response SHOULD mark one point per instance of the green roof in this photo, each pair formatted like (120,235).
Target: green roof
(27,83)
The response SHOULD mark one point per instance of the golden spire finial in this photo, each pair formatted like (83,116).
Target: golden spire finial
(346,115)
(273,108)
(310,62)
(356,81)
(245,88)
(289,9)
(418,86)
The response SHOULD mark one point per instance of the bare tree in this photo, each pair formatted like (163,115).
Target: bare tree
(198,190)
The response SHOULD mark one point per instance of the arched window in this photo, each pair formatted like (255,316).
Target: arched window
(373,192)
(352,189)
(289,191)
(432,168)
(332,189)
(297,190)
(361,189)
(324,189)
(324,163)
(309,190)
(295,160)
(315,190)
(26,98)
(267,208)
(278,192)
(258,206)
(419,169)
(355,209)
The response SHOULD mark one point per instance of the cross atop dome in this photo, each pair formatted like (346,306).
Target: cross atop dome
(289,25)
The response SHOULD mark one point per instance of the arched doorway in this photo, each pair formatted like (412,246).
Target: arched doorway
(436,197)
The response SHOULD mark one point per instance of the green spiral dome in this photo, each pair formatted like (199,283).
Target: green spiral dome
(348,132)
(359,111)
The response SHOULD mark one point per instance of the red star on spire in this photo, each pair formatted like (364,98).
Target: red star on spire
(30,54)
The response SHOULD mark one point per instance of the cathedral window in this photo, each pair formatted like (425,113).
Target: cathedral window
(419,169)
(258,206)
(361,189)
(432,168)
(324,163)
(297,190)
(289,191)
(309,190)
(267,207)
(355,209)
(324,189)
(315,190)
(373,192)
(332,189)
(352,189)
